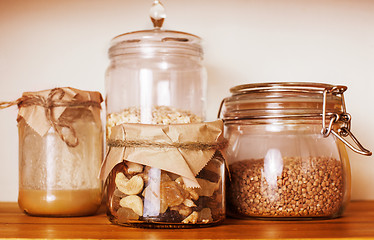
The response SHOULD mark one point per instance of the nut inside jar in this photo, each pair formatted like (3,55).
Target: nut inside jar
(136,195)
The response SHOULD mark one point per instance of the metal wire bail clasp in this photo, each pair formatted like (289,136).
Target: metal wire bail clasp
(345,118)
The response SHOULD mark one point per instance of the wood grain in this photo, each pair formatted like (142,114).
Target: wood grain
(357,222)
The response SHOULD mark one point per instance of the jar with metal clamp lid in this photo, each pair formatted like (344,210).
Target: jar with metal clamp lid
(286,150)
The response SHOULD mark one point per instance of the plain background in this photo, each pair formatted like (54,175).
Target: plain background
(57,43)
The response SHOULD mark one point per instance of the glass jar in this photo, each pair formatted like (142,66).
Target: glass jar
(286,150)
(156,77)
(156,68)
(60,152)
(147,197)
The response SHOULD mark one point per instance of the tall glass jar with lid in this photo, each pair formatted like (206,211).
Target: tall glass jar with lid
(157,78)
(286,152)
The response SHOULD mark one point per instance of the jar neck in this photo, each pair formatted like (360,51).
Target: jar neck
(151,51)
(137,58)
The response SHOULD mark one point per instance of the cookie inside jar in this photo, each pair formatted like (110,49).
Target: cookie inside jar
(144,196)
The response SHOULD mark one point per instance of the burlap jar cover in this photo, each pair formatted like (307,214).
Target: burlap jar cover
(183,149)
(42,110)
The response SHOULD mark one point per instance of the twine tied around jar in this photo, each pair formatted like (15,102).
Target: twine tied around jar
(182,149)
(186,145)
(53,100)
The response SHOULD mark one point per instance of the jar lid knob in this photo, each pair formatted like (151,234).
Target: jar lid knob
(157,14)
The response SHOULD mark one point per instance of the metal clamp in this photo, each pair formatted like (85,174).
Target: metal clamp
(220,108)
(345,118)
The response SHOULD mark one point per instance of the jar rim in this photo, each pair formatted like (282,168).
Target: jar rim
(156,33)
(286,86)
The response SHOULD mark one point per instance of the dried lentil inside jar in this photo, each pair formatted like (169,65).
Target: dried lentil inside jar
(315,192)
(284,162)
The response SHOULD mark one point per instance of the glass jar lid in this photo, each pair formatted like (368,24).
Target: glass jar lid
(292,100)
(282,100)
(156,40)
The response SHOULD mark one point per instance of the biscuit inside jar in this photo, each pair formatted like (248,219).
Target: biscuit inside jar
(171,200)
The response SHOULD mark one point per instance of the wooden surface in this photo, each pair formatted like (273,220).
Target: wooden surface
(357,222)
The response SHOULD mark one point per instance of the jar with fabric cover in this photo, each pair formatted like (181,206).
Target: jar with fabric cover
(60,152)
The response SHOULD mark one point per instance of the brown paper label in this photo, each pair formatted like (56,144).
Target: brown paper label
(36,116)
(183,149)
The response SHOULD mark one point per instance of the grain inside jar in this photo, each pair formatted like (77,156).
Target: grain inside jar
(312,187)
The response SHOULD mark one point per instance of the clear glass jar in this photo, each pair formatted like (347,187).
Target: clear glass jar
(282,165)
(58,169)
(157,77)
(160,199)
(156,68)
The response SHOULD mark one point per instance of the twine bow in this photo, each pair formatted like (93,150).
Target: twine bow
(53,100)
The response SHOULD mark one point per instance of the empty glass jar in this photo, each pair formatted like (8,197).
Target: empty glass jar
(286,152)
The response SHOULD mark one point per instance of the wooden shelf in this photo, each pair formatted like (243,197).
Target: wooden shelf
(357,222)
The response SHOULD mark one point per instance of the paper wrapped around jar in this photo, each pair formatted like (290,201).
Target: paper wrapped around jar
(183,149)
(42,110)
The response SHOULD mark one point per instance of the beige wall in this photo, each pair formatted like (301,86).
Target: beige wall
(50,43)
